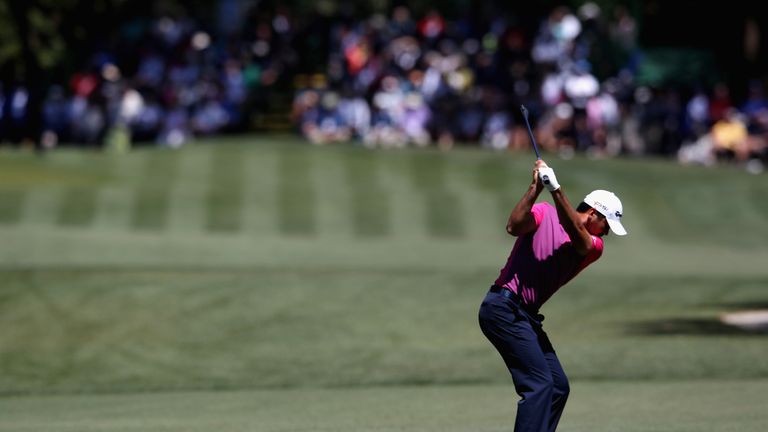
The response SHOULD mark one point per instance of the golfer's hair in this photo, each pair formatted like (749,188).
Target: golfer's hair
(583,207)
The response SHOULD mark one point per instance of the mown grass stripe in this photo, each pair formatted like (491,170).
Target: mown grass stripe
(406,204)
(478,207)
(444,216)
(332,204)
(77,207)
(11,203)
(40,206)
(79,204)
(503,179)
(370,203)
(151,202)
(188,193)
(115,199)
(487,175)
(295,194)
(224,203)
(260,181)
(505,201)
(427,171)
(757,199)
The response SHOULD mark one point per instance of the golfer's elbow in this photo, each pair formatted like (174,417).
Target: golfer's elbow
(584,251)
(519,228)
(583,246)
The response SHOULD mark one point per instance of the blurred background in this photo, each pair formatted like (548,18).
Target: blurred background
(244,215)
(604,78)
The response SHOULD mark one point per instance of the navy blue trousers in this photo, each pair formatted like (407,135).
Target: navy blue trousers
(538,376)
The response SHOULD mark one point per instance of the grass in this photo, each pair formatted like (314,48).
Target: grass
(230,282)
(687,406)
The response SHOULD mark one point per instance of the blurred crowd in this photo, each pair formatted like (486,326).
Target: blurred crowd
(165,80)
(401,80)
(397,80)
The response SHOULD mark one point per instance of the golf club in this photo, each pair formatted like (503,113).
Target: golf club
(524,110)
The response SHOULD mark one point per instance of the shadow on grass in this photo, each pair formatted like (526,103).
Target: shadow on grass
(747,305)
(690,327)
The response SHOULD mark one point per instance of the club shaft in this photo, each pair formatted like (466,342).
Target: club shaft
(530,132)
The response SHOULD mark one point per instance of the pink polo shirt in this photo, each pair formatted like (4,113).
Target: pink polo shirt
(544,260)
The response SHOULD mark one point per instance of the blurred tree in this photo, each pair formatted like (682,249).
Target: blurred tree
(45,41)
(43,37)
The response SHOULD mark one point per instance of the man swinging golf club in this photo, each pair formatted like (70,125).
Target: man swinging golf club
(554,243)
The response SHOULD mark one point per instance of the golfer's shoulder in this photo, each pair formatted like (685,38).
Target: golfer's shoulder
(541,209)
(597,246)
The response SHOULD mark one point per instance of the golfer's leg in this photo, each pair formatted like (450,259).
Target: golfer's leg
(560,389)
(533,382)
(514,338)
(519,347)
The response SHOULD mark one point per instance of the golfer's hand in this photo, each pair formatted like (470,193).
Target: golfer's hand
(536,166)
(548,179)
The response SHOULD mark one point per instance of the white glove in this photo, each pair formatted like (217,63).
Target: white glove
(547,176)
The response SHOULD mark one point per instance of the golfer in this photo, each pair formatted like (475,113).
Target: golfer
(554,243)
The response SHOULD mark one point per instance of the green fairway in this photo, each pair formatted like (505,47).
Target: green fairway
(687,406)
(261,283)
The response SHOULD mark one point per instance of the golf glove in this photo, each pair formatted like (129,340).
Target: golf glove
(547,176)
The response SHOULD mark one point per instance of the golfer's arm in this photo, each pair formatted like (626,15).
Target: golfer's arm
(571,222)
(521,219)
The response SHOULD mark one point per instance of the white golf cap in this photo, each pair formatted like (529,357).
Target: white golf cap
(609,205)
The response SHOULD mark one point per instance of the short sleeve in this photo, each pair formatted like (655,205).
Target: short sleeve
(538,211)
(597,242)
(597,251)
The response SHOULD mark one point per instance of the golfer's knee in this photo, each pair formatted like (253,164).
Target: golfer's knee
(561,387)
(542,388)
(552,387)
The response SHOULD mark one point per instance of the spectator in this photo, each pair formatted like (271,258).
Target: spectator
(730,137)
(394,80)
(720,102)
